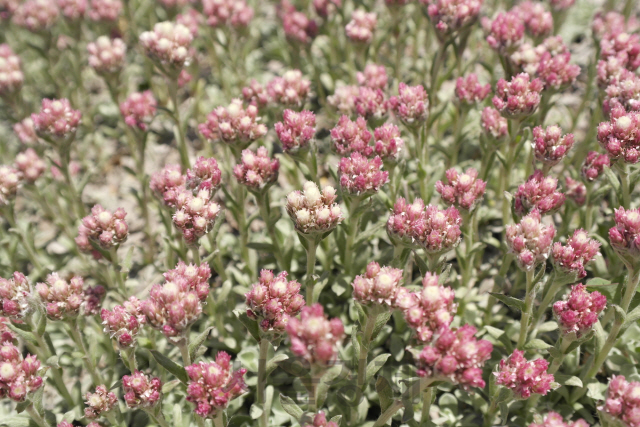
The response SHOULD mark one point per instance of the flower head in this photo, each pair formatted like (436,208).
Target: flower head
(556,72)
(344,99)
(25,131)
(524,377)
(625,235)
(297,26)
(290,90)
(361,176)
(379,285)
(167,182)
(493,123)
(538,21)
(139,109)
(56,121)
(229,13)
(464,190)
(234,125)
(348,137)
(506,32)
(36,15)
(594,165)
(169,45)
(62,299)
(621,402)
(575,191)
(620,136)
(213,385)
(123,322)
(530,241)
(107,56)
(296,130)
(579,311)
(72,10)
(11,76)
(371,102)
(255,94)
(195,214)
(519,97)
(539,193)
(470,91)
(18,376)
(549,145)
(449,16)
(314,337)
(553,419)
(256,169)
(105,10)
(10,180)
(411,105)
(623,90)
(106,229)
(374,76)
(388,142)
(140,390)
(313,211)
(204,175)
(14,296)
(317,420)
(360,28)
(99,402)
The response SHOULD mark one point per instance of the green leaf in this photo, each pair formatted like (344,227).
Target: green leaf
(355,345)
(250,324)
(23,334)
(631,318)
(325,383)
(275,360)
(197,342)
(510,301)
(504,395)
(385,393)
(613,180)
(127,262)
(171,366)
(256,411)
(167,387)
(290,407)
(574,381)
(17,422)
(177,415)
(536,344)
(597,281)
(261,246)
(422,266)
(548,326)
(374,366)
(381,320)
(41,327)
(337,419)
(504,413)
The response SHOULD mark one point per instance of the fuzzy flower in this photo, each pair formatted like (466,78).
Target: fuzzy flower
(324,8)
(317,420)
(15,294)
(99,402)
(312,211)
(18,376)
(56,121)
(506,32)
(549,145)
(107,56)
(25,131)
(105,10)
(624,91)
(538,21)
(256,170)
(234,125)
(11,77)
(140,390)
(609,72)
(575,191)
(139,109)
(379,285)
(530,241)
(625,235)
(204,175)
(62,299)
(30,165)
(538,193)
(273,301)
(387,142)
(123,323)
(297,26)
(622,403)
(462,190)
(93,296)
(361,176)
(10,179)
(351,137)
(411,105)
(620,136)
(195,277)
(579,311)
(192,20)
(169,45)
(167,182)
(608,24)
(371,102)
(518,98)
(102,227)
(289,90)
(624,46)
(296,130)
(429,310)
(360,28)
(449,16)
(73,10)
(524,377)
(553,419)
(314,337)
(255,94)
(594,165)
(374,76)
(213,385)
(6,335)
(493,123)
(405,222)
(470,91)
(36,15)
(556,72)
(195,214)
(344,99)
(229,13)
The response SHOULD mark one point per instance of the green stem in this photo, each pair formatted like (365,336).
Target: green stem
(241,199)
(311,264)
(113,251)
(76,202)
(195,251)
(183,345)
(504,269)
(262,199)
(130,357)
(36,417)
(179,132)
(389,413)
(354,222)
(549,295)
(491,414)
(426,405)
(557,361)
(262,379)
(74,332)
(364,347)
(623,171)
(528,307)
(218,420)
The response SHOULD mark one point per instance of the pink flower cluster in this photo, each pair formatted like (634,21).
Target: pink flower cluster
(213,385)
(530,241)
(457,355)
(379,285)
(296,130)
(36,15)
(139,109)
(361,176)
(314,337)
(204,175)
(464,190)
(518,98)
(102,227)
(505,32)
(371,102)
(234,13)
(556,71)
(56,120)
(141,391)
(575,191)
(449,16)
(297,26)
(289,90)
(434,230)
(344,99)
(167,183)
(256,170)
(387,142)
(11,77)
(349,137)
(255,94)
(99,402)
(430,310)
(493,123)
(72,10)
(104,10)
(374,76)
(233,125)
(123,323)
(625,235)
(620,136)
(538,21)
(623,46)
(18,376)
(195,214)
(107,56)
(25,131)
(594,165)
(313,211)
(273,301)
(6,335)
(524,377)
(553,419)
(194,277)
(539,193)
(575,255)
(10,179)
(14,296)
(411,105)
(578,312)
(549,145)
(319,420)
(622,401)
(168,44)
(623,91)
(360,28)
(30,166)
(62,299)
(470,91)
